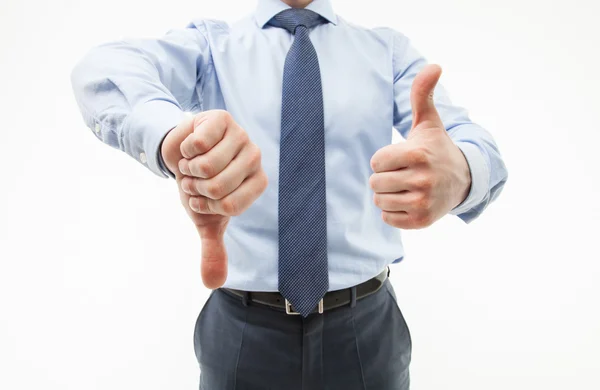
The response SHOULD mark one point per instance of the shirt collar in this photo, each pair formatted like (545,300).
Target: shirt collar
(266,9)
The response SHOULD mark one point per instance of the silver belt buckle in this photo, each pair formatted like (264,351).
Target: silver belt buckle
(290,311)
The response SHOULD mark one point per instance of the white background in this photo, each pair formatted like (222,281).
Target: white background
(99,265)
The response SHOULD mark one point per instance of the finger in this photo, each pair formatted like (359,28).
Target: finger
(392,182)
(171,146)
(185,200)
(398,156)
(399,201)
(398,219)
(199,204)
(243,165)
(421,96)
(404,220)
(214,254)
(238,201)
(198,216)
(208,131)
(211,163)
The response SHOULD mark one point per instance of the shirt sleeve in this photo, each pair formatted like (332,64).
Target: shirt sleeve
(488,171)
(132,92)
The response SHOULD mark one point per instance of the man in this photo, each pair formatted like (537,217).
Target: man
(287,172)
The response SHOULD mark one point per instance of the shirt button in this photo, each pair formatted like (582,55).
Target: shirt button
(97,128)
(143,158)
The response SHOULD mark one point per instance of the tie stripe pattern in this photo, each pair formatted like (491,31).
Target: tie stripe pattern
(303,272)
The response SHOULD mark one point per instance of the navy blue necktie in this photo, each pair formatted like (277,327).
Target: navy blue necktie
(303,275)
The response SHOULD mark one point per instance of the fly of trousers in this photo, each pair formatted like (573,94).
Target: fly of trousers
(365,345)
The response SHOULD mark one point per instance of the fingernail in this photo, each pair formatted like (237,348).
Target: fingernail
(184,188)
(181,166)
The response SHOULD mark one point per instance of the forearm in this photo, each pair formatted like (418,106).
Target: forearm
(131,93)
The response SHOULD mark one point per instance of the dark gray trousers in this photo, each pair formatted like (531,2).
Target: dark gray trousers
(241,346)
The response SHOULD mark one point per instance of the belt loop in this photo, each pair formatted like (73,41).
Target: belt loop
(353,297)
(245,298)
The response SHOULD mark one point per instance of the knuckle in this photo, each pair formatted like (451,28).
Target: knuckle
(215,189)
(255,156)
(230,207)
(424,182)
(199,118)
(423,203)
(199,143)
(204,167)
(263,181)
(222,116)
(419,156)
(243,138)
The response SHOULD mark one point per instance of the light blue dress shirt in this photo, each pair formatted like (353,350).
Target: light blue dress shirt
(132,92)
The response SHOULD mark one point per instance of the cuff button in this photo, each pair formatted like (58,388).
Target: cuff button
(143,158)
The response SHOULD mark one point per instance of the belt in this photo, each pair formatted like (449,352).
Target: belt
(331,300)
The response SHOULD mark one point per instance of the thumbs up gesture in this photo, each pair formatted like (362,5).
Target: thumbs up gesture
(219,175)
(419,181)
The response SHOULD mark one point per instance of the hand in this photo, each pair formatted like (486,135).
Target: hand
(219,175)
(419,181)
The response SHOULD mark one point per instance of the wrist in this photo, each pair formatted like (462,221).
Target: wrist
(478,171)
(161,160)
(145,127)
(464,180)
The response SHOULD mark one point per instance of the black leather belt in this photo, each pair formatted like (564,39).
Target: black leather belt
(331,300)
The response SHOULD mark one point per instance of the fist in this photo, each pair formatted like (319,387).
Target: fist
(417,182)
(219,174)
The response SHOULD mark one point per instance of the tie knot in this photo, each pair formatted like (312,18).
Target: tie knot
(291,18)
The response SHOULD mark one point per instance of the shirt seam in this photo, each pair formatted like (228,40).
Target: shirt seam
(203,77)
(362,374)
(237,363)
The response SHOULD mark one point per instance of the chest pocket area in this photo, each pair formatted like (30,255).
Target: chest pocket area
(358,100)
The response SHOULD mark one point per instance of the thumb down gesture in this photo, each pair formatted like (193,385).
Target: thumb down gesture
(417,182)
(219,175)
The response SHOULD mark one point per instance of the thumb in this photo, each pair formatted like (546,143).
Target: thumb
(214,254)
(421,97)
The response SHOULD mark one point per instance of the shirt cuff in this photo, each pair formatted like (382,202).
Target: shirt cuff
(146,127)
(161,162)
(480,176)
